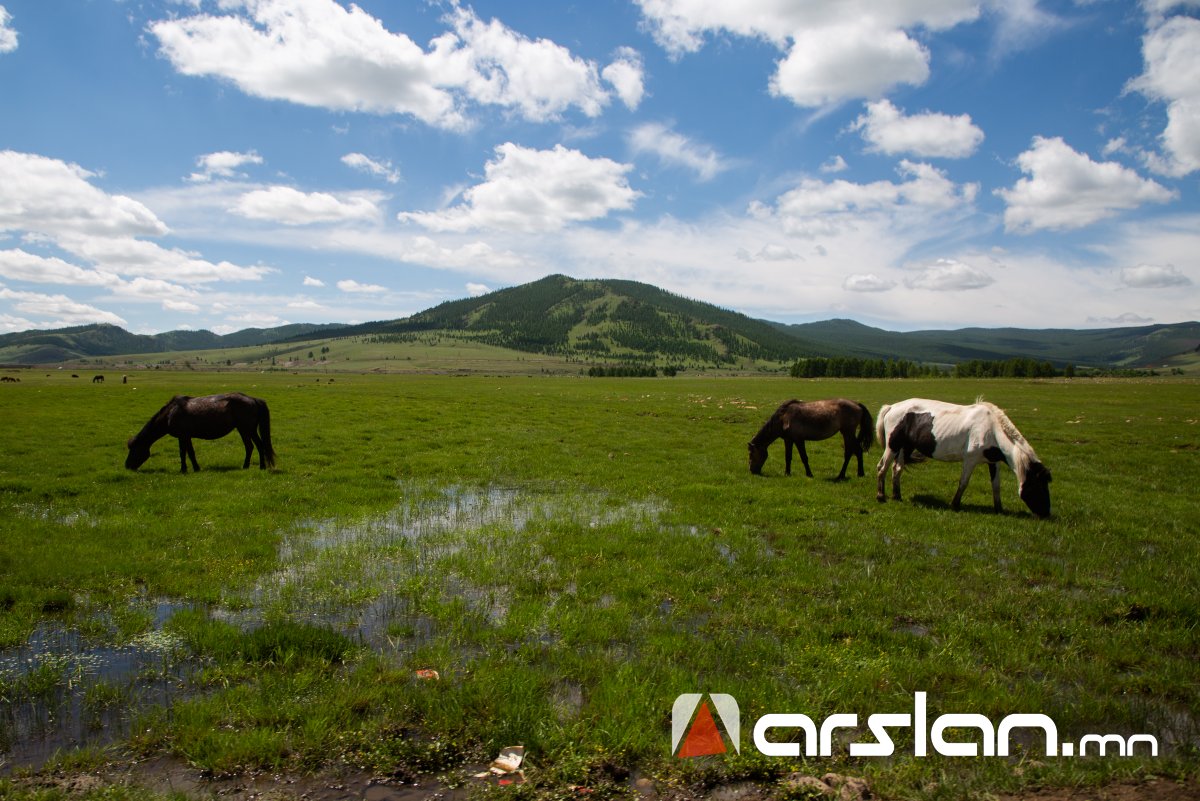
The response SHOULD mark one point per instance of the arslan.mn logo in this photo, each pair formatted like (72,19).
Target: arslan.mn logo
(694,730)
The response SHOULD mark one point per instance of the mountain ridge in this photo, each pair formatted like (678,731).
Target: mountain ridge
(613,320)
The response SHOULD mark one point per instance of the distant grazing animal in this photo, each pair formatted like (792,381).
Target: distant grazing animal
(98,379)
(974,434)
(797,421)
(8,379)
(74,375)
(210,417)
(124,379)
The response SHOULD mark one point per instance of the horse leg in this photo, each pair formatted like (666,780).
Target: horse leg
(191,449)
(995,486)
(787,456)
(968,468)
(249,450)
(880,472)
(847,452)
(804,457)
(897,469)
(183,449)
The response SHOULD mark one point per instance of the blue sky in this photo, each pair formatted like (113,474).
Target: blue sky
(912,164)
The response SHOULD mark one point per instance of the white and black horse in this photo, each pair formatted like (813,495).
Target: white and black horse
(976,434)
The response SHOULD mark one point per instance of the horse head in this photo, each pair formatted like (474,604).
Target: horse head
(138,454)
(758,457)
(1035,489)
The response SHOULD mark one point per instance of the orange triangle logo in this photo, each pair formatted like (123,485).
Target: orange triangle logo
(703,737)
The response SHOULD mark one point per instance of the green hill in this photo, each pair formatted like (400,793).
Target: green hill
(1141,346)
(87,341)
(603,320)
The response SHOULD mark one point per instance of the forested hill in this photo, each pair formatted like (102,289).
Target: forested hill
(604,319)
(86,341)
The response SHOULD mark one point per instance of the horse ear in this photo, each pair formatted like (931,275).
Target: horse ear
(129,442)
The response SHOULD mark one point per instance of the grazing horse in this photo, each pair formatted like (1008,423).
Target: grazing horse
(797,421)
(982,432)
(210,417)
(98,379)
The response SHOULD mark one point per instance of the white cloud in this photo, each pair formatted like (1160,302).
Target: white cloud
(289,206)
(887,130)
(536,191)
(817,207)
(769,253)
(868,282)
(835,164)
(62,310)
(676,149)
(53,197)
(319,53)
(8,34)
(1171,51)
(626,75)
(18,265)
(137,257)
(947,275)
(834,51)
(475,290)
(350,285)
(383,169)
(840,62)
(1066,189)
(310,281)
(1151,276)
(222,164)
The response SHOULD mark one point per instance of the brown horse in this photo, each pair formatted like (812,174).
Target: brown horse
(210,417)
(797,421)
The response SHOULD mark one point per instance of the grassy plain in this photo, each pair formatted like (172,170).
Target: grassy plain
(571,554)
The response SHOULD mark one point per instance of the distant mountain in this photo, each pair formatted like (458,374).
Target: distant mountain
(626,321)
(89,341)
(604,320)
(1102,347)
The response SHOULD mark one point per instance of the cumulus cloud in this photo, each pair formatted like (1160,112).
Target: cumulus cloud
(475,290)
(676,149)
(350,285)
(535,191)
(818,207)
(1151,276)
(54,197)
(1171,52)
(887,129)
(18,265)
(1066,189)
(835,164)
(222,164)
(832,51)
(319,53)
(289,206)
(867,282)
(61,310)
(947,275)
(362,163)
(833,64)
(769,253)
(8,34)
(310,281)
(626,76)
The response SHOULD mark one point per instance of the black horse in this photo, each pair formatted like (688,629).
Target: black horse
(210,417)
(797,421)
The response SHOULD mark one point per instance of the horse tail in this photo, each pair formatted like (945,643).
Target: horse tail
(866,428)
(265,452)
(880,433)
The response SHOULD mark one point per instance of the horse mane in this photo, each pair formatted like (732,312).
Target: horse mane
(1024,455)
(773,428)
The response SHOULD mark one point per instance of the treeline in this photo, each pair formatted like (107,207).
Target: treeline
(628,371)
(854,367)
(1010,368)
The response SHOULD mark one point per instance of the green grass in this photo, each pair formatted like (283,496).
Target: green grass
(571,554)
